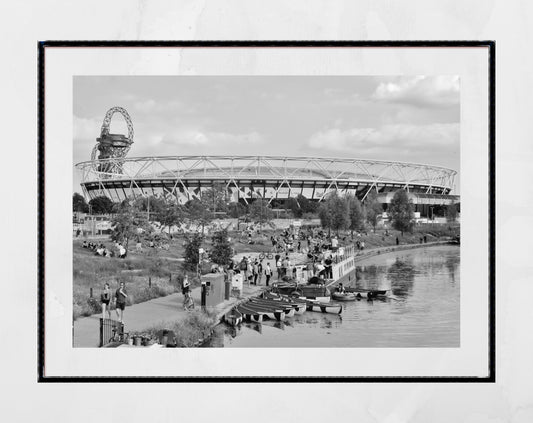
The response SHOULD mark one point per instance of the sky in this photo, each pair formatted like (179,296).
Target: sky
(404,118)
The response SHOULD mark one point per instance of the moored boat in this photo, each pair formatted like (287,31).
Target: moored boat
(324,307)
(366,293)
(269,313)
(250,315)
(343,296)
(233,317)
(298,304)
(287,308)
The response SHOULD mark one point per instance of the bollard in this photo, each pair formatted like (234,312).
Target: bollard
(149,281)
(91,293)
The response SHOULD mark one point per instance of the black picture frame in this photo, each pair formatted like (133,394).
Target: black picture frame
(42,378)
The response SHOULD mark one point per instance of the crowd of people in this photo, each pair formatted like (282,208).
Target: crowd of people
(103,251)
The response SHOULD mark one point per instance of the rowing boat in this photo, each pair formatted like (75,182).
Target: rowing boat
(287,308)
(268,313)
(343,296)
(298,304)
(324,307)
(250,315)
(366,293)
(233,317)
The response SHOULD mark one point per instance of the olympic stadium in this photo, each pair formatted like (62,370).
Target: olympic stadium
(246,178)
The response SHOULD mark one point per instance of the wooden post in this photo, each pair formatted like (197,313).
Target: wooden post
(91,292)
(150,281)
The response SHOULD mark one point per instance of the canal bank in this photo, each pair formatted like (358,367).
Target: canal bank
(359,256)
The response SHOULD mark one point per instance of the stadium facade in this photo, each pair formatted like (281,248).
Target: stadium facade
(247,178)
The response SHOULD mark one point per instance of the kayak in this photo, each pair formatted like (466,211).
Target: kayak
(324,307)
(233,317)
(343,296)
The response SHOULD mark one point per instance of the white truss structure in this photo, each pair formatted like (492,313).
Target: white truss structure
(249,177)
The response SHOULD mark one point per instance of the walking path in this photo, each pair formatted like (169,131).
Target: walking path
(142,316)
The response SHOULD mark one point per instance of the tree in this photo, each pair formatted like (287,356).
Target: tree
(101,205)
(340,213)
(334,213)
(221,251)
(260,211)
(169,213)
(294,207)
(236,210)
(196,212)
(401,211)
(372,209)
(214,199)
(306,205)
(203,210)
(451,212)
(192,254)
(356,214)
(79,204)
(324,215)
(129,222)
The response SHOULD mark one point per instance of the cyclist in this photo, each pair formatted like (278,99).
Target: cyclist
(186,291)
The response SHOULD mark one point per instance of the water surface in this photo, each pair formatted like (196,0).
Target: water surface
(422,310)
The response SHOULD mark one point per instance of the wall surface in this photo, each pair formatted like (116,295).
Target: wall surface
(508,22)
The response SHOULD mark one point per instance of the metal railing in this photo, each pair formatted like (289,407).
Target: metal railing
(110,331)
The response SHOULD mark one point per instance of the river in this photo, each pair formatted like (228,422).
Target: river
(422,310)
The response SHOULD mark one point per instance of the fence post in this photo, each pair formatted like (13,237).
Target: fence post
(101,332)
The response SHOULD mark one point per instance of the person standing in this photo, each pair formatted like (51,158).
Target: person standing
(105,299)
(120,300)
(278,267)
(255,271)
(268,273)
(260,271)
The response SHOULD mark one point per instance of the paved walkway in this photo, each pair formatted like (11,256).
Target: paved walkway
(142,316)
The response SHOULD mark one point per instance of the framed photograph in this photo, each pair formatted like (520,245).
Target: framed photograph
(266,211)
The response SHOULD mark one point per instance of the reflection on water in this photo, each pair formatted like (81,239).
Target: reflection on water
(422,310)
(402,271)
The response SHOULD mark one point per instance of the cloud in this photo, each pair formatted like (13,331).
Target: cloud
(85,128)
(388,140)
(194,137)
(145,106)
(420,91)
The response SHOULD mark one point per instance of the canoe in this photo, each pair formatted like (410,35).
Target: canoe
(346,296)
(250,315)
(233,317)
(324,307)
(287,308)
(264,312)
